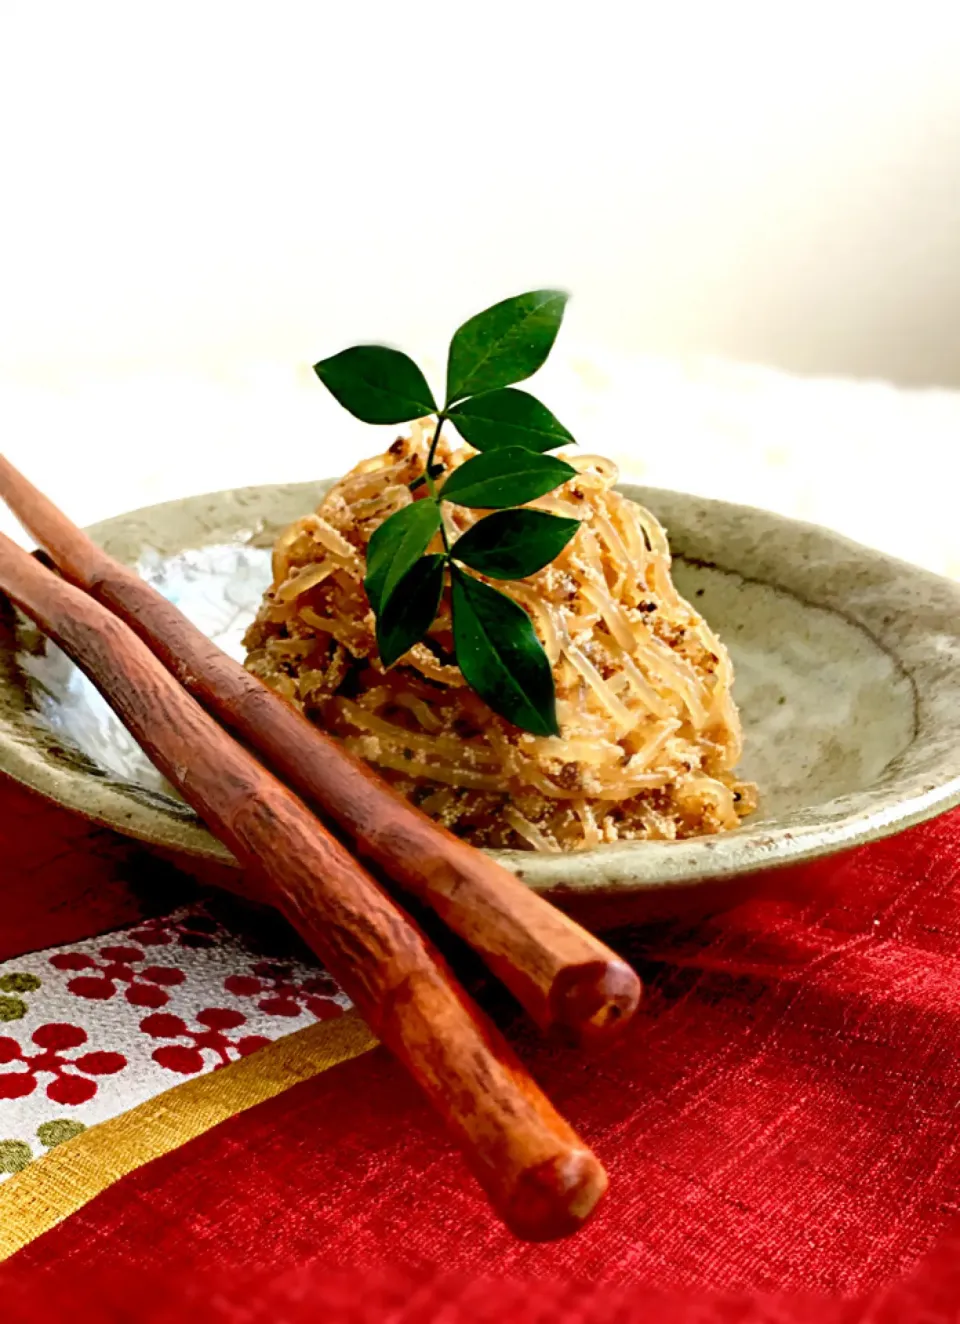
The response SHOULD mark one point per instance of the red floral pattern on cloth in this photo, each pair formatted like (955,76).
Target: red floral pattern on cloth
(78,1047)
(279,993)
(187,930)
(101,978)
(211,1036)
(53,1042)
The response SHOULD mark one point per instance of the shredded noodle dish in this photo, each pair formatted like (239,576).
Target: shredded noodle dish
(650,734)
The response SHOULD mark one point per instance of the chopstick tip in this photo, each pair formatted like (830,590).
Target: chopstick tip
(556,1198)
(594,1002)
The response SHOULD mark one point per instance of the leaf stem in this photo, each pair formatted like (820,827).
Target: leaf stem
(431,483)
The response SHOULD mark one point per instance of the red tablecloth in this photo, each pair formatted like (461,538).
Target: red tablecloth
(780,1126)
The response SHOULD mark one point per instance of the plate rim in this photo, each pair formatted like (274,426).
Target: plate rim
(611,870)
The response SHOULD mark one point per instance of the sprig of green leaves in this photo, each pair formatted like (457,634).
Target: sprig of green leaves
(494,641)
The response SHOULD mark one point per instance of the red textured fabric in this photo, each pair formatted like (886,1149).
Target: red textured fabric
(780,1126)
(62,879)
(390,1297)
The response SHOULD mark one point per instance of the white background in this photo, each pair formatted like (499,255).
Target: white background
(200,199)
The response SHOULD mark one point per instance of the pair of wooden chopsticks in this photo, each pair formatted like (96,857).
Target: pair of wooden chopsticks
(168,686)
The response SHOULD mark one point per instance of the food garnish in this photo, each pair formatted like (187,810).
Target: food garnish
(494,642)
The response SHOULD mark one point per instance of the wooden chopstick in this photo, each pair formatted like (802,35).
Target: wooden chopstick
(538,1174)
(560,973)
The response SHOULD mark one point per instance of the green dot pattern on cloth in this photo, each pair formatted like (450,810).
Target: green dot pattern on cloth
(14,1155)
(12,1009)
(56,1132)
(19,982)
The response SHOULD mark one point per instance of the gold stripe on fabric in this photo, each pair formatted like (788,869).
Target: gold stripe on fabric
(53,1187)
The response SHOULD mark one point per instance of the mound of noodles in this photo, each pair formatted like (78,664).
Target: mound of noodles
(650,733)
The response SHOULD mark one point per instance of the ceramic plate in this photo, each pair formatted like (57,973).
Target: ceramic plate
(848,680)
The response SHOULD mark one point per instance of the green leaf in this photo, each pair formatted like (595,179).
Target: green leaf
(507,477)
(501,657)
(377,384)
(435,471)
(504,344)
(408,615)
(511,544)
(394,547)
(508,418)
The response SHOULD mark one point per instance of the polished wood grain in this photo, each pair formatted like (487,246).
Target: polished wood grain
(539,1176)
(563,975)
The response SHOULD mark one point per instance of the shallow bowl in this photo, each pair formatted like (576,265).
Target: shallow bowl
(847,679)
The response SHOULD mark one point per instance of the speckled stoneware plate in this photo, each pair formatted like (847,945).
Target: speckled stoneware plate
(848,679)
